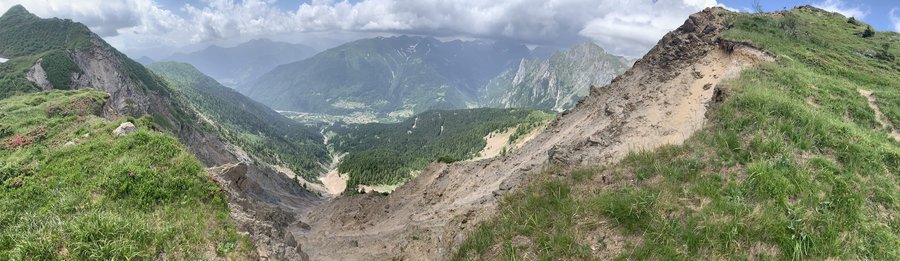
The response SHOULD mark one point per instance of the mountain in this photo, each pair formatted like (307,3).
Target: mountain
(144,60)
(738,136)
(241,64)
(248,124)
(555,83)
(388,77)
(77,183)
(60,149)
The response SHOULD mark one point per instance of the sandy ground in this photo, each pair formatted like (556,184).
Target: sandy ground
(495,143)
(314,187)
(885,123)
(379,188)
(334,182)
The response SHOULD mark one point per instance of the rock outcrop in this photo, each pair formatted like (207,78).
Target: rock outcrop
(124,129)
(662,100)
(556,83)
(38,76)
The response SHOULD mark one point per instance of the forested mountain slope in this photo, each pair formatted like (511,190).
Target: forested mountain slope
(386,77)
(391,153)
(244,63)
(556,83)
(255,128)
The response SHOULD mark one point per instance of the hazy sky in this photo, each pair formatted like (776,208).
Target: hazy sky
(624,27)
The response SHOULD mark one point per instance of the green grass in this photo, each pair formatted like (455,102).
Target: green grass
(80,202)
(792,166)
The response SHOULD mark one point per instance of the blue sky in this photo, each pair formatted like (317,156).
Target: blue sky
(875,12)
(158,28)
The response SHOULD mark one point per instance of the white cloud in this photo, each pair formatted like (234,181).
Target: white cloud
(104,17)
(895,18)
(838,6)
(628,27)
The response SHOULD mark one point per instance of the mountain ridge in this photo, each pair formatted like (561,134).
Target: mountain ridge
(557,82)
(238,65)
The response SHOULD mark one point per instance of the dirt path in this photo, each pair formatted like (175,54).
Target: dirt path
(885,123)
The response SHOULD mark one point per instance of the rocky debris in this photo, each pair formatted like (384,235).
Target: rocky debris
(124,129)
(38,76)
(70,143)
(264,205)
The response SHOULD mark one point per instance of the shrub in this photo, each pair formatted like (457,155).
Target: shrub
(869,32)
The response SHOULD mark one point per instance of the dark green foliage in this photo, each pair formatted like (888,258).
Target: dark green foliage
(869,32)
(885,53)
(257,129)
(12,77)
(81,202)
(380,153)
(792,166)
(853,21)
(23,34)
(59,68)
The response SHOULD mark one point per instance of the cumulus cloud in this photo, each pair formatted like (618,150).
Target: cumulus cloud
(104,17)
(895,18)
(839,6)
(627,27)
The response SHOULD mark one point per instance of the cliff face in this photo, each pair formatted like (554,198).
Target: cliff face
(661,100)
(556,83)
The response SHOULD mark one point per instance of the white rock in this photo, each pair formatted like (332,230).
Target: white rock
(124,129)
(70,143)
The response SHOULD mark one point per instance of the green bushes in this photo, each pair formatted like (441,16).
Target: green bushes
(59,68)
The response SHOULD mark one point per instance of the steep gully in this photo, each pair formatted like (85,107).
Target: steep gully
(662,100)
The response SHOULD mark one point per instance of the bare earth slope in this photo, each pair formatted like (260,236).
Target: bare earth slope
(661,100)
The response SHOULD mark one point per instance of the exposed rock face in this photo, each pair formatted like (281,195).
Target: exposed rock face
(38,76)
(556,83)
(102,69)
(124,129)
(663,99)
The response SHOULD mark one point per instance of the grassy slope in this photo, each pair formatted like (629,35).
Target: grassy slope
(792,166)
(261,131)
(79,201)
(387,153)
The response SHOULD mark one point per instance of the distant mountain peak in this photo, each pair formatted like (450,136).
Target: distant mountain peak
(18,10)
(589,46)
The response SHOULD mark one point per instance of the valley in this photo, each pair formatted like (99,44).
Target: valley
(738,135)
